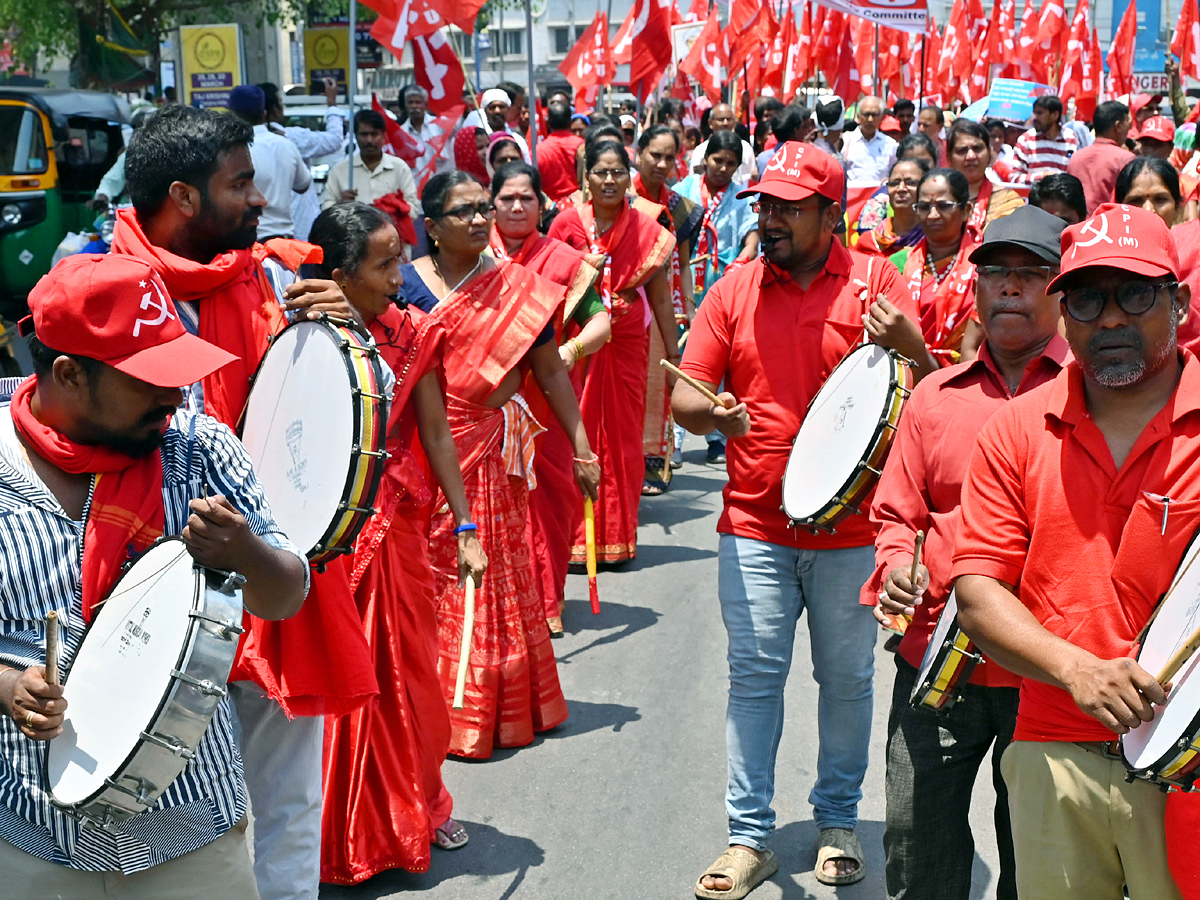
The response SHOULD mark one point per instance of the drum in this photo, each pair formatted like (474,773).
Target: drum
(144,685)
(849,427)
(947,665)
(315,428)
(1166,750)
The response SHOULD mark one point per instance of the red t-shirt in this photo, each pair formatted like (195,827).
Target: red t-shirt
(1044,508)
(921,487)
(556,164)
(774,344)
(1187,242)
(1097,168)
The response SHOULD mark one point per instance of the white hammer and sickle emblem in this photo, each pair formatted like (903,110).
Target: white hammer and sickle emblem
(1099,234)
(162,306)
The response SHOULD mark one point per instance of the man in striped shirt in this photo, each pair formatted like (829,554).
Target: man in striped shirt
(1046,147)
(104,399)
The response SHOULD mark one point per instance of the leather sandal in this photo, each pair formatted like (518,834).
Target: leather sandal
(743,868)
(839,843)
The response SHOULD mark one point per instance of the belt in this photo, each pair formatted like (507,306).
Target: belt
(1107,749)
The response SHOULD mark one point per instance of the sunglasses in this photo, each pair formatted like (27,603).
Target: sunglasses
(1133,297)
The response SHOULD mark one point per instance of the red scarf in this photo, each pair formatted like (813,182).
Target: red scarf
(979,212)
(706,244)
(126,515)
(945,304)
(676,268)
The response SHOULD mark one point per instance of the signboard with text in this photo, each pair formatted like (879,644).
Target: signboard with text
(212,64)
(326,55)
(1012,99)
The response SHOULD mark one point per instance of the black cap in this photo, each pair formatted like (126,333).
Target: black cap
(1026,228)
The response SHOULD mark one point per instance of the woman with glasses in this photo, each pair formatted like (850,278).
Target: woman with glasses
(969,148)
(498,317)
(878,208)
(635,286)
(899,227)
(729,230)
(581,328)
(384,795)
(937,267)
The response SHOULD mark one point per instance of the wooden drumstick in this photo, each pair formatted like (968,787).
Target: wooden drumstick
(709,395)
(52,648)
(1180,658)
(918,545)
(464,648)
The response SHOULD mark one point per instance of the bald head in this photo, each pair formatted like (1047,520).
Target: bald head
(721,118)
(870,112)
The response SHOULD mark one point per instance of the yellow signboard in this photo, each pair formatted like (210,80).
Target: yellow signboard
(212,63)
(326,55)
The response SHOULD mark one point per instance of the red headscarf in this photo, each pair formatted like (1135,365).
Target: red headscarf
(466,155)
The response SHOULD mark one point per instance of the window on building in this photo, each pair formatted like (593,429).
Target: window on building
(511,42)
(563,38)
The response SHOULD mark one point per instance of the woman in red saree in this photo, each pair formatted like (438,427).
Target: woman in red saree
(636,287)
(498,321)
(581,328)
(385,801)
(937,267)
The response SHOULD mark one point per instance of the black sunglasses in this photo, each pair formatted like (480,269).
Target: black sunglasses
(1134,298)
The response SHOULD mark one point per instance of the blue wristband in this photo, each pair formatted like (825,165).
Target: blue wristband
(466,526)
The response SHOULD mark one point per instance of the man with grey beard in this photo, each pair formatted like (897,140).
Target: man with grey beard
(1078,504)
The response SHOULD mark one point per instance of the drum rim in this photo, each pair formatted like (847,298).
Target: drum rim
(320,552)
(901,372)
(193,626)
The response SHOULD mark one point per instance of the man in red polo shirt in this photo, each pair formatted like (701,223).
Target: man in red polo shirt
(932,760)
(1084,494)
(1097,166)
(556,153)
(772,331)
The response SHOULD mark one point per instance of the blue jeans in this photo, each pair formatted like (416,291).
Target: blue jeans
(763,588)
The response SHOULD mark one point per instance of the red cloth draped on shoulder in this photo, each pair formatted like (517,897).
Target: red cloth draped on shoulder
(127,512)
(294,659)
(384,794)
(613,402)
(945,299)
(552,503)
(512,685)
(1183,826)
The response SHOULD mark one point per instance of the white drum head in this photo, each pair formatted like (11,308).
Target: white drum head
(945,622)
(123,671)
(299,430)
(838,431)
(1176,621)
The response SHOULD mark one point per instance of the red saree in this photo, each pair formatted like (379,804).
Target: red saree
(384,794)
(943,295)
(613,402)
(512,686)
(552,503)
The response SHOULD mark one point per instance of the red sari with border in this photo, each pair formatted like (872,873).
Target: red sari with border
(552,503)
(512,684)
(384,794)
(944,298)
(613,402)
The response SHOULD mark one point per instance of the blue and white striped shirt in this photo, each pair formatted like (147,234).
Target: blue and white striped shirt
(41,550)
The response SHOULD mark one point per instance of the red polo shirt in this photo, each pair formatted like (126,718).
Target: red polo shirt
(556,164)
(921,487)
(1045,508)
(1187,242)
(774,344)
(1097,167)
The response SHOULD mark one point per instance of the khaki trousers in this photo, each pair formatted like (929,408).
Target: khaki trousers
(1080,831)
(220,870)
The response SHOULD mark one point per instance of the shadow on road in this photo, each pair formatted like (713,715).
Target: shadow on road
(491,854)
(578,617)
(582,718)
(651,555)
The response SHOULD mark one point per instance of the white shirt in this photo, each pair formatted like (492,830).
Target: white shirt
(279,169)
(427,132)
(868,162)
(744,172)
(306,205)
(474,119)
(391,175)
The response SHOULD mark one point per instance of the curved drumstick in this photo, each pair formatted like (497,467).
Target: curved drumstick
(1180,658)
(708,395)
(589,532)
(464,644)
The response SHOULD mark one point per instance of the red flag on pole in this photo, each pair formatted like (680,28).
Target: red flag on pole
(862,38)
(800,55)
(651,45)
(956,53)
(622,42)
(1052,26)
(697,12)
(1071,81)
(399,22)
(399,142)
(976,86)
(438,70)
(829,46)
(847,82)
(447,122)
(1092,80)
(706,61)
(775,71)
(590,61)
(1120,52)
(1185,42)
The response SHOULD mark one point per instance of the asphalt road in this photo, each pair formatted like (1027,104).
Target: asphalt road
(626,798)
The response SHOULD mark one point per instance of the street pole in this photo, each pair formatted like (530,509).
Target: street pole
(875,76)
(500,20)
(531,96)
(352,86)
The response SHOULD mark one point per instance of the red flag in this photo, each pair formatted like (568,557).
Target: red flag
(399,142)
(847,82)
(651,45)
(1024,41)
(447,122)
(438,70)
(862,39)
(1071,81)
(776,68)
(706,62)
(955,57)
(697,12)
(829,47)
(1185,42)
(1092,79)
(1120,52)
(1002,39)
(1052,26)
(458,12)
(893,53)
(622,42)
(976,86)
(403,20)
(800,56)
(590,61)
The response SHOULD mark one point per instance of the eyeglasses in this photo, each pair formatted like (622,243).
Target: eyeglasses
(603,175)
(1027,276)
(1133,297)
(782,210)
(869,115)
(467,212)
(906,182)
(944,207)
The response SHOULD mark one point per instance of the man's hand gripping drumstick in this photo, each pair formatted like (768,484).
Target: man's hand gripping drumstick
(33,697)
(904,586)
(701,410)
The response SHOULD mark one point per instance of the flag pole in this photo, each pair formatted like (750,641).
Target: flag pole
(875,76)
(351,87)
(921,79)
(531,97)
